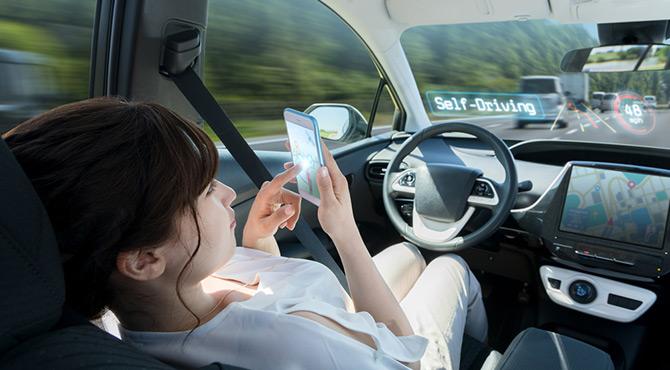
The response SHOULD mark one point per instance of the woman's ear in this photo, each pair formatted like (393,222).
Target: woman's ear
(141,264)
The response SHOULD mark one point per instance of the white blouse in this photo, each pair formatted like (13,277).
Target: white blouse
(260,333)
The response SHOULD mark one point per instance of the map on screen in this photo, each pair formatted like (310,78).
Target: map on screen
(623,206)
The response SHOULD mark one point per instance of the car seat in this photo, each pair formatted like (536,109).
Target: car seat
(37,331)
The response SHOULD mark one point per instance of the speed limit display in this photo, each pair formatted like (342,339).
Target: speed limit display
(631,115)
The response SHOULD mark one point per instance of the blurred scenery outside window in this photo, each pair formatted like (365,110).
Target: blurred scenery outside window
(264,56)
(492,73)
(45,49)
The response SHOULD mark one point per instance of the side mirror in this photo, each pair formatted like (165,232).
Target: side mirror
(618,58)
(338,122)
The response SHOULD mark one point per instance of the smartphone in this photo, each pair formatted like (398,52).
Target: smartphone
(303,134)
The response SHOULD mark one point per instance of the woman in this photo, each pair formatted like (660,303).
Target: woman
(146,230)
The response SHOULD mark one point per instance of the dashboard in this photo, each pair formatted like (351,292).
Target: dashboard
(599,207)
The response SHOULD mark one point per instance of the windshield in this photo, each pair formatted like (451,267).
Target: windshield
(506,77)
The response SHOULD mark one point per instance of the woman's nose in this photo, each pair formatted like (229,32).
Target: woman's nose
(229,195)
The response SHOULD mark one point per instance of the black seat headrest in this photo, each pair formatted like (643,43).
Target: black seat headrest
(31,277)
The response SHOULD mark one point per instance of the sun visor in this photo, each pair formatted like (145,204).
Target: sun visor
(609,11)
(425,12)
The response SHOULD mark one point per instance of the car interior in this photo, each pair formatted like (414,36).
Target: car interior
(564,219)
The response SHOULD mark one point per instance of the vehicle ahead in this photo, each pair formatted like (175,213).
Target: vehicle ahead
(596,100)
(575,87)
(25,86)
(649,102)
(550,94)
(608,102)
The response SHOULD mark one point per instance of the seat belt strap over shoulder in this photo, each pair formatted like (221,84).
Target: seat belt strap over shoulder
(180,53)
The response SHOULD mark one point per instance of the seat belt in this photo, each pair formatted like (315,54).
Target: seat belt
(180,53)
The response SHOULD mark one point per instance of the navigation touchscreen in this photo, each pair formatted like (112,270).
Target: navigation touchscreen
(622,206)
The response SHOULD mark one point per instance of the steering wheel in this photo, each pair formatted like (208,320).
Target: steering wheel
(445,196)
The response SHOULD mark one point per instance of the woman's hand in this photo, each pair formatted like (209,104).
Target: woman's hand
(273,208)
(335,213)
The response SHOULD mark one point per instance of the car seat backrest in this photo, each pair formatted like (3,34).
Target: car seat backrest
(31,278)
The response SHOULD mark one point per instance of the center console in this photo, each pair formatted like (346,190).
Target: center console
(603,219)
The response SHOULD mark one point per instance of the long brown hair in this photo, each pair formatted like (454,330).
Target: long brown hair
(113,176)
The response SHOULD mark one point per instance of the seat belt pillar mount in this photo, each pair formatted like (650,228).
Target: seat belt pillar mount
(180,52)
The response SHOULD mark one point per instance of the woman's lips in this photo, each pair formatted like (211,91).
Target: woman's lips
(232,217)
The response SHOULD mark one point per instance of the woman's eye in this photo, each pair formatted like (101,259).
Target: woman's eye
(211,188)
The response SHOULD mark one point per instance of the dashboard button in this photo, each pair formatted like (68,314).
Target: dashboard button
(482,189)
(554,283)
(407,209)
(582,291)
(408,180)
(623,302)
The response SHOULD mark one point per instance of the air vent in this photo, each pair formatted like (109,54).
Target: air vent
(376,170)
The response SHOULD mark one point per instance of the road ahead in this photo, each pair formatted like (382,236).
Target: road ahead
(592,126)
(584,126)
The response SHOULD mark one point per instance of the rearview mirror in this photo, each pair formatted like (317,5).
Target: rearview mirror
(618,58)
(338,122)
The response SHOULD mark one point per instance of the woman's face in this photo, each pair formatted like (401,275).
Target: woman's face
(217,233)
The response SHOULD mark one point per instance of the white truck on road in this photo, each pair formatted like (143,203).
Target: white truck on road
(575,86)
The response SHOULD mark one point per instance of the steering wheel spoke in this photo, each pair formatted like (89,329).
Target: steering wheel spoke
(403,183)
(485,193)
(439,231)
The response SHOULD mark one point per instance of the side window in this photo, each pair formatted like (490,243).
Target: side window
(264,56)
(45,49)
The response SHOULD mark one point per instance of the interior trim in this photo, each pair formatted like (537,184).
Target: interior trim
(600,306)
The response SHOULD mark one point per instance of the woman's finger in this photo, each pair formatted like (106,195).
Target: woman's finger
(288,165)
(293,199)
(325,185)
(327,155)
(280,216)
(329,160)
(282,178)
(339,181)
